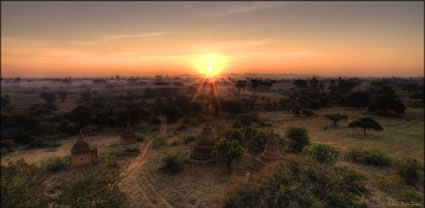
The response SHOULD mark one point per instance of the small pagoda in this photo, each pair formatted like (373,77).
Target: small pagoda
(205,144)
(128,136)
(271,153)
(82,154)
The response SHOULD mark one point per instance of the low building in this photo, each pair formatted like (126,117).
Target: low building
(82,154)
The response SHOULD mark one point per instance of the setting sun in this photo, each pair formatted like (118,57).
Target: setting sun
(210,64)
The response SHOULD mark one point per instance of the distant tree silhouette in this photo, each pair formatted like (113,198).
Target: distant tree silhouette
(300,83)
(314,82)
(358,99)
(48,97)
(241,84)
(5,100)
(365,124)
(336,117)
(62,95)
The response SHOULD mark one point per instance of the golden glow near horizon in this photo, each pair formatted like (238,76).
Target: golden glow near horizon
(86,39)
(210,64)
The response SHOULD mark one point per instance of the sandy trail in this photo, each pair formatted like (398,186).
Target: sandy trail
(134,188)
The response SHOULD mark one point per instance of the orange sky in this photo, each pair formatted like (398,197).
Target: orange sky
(45,39)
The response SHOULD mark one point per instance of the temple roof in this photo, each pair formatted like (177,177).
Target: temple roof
(271,150)
(128,132)
(81,146)
(207,135)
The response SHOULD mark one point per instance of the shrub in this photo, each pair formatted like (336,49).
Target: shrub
(409,195)
(155,120)
(237,124)
(323,153)
(8,144)
(56,164)
(159,142)
(308,112)
(172,164)
(189,139)
(23,185)
(336,117)
(366,123)
(299,183)
(227,151)
(298,137)
(140,138)
(257,140)
(247,119)
(234,134)
(368,157)
(411,171)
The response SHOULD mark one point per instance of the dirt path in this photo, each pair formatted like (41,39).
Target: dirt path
(137,190)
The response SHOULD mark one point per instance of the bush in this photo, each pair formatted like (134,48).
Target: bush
(189,139)
(237,124)
(411,171)
(234,134)
(159,142)
(298,137)
(56,164)
(227,152)
(323,153)
(247,119)
(368,157)
(308,112)
(172,164)
(140,138)
(299,183)
(155,120)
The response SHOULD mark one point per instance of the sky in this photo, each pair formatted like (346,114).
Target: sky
(92,39)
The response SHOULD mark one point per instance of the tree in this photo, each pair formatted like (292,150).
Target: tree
(91,187)
(300,83)
(383,103)
(234,134)
(358,99)
(241,84)
(48,97)
(227,152)
(22,186)
(85,96)
(314,82)
(366,123)
(299,138)
(336,117)
(62,95)
(5,100)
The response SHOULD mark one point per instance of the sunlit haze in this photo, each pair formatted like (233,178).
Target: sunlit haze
(57,39)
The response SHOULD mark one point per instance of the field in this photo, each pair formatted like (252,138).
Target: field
(204,184)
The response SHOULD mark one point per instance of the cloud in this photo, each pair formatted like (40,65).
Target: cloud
(241,9)
(142,35)
(81,43)
(108,38)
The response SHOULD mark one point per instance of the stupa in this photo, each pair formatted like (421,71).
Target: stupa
(271,153)
(128,136)
(82,154)
(205,144)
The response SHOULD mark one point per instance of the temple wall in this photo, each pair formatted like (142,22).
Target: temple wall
(82,159)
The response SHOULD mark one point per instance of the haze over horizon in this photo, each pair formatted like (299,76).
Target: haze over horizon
(57,39)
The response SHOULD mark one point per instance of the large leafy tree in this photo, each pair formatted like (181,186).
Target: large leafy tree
(299,183)
(365,124)
(22,186)
(92,187)
(336,117)
(227,151)
(299,138)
